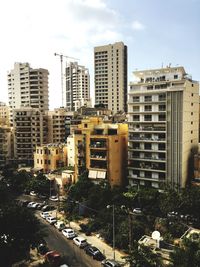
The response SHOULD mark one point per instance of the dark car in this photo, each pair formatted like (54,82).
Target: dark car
(53,257)
(94,252)
(42,249)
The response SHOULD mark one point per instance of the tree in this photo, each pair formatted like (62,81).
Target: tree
(39,184)
(142,256)
(19,230)
(188,254)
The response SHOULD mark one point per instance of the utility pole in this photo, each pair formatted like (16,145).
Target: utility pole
(61,70)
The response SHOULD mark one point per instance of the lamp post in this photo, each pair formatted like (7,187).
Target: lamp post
(113,217)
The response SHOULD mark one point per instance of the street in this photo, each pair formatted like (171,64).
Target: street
(73,255)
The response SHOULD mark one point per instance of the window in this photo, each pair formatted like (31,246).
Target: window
(161,117)
(148,108)
(147,117)
(162,97)
(136,108)
(162,107)
(191,113)
(148,98)
(191,132)
(136,117)
(136,99)
(191,104)
(176,76)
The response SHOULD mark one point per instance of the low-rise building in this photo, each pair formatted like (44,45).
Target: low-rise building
(50,157)
(101,148)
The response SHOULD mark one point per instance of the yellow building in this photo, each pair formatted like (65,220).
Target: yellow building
(101,148)
(50,157)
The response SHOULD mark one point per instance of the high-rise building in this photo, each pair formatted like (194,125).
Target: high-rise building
(58,125)
(77,86)
(27,87)
(110,76)
(163,110)
(29,125)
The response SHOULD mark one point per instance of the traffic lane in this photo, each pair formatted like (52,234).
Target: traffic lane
(73,255)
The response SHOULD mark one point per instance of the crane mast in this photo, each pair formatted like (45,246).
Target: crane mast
(61,71)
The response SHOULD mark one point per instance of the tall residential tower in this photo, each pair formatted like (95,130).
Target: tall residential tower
(110,76)
(27,87)
(163,112)
(77,86)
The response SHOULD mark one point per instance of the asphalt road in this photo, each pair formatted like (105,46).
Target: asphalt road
(73,255)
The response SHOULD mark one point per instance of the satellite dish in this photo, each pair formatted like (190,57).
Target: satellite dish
(155,235)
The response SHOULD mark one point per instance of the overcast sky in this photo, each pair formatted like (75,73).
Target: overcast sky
(156,32)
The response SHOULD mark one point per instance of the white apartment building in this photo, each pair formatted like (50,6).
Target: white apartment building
(163,111)
(110,76)
(27,87)
(77,86)
(29,128)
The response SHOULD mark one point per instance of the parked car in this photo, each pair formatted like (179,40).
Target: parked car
(51,220)
(69,233)
(54,198)
(94,252)
(42,248)
(33,193)
(30,205)
(48,208)
(110,263)
(53,257)
(80,241)
(60,225)
(45,214)
(137,211)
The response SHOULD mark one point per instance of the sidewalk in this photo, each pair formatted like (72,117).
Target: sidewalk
(99,243)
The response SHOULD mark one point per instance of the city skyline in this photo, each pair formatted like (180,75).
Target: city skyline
(156,34)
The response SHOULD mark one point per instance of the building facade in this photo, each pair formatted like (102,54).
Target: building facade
(4,114)
(77,86)
(163,111)
(50,157)
(110,76)
(5,144)
(58,122)
(29,132)
(27,87)
(101,148)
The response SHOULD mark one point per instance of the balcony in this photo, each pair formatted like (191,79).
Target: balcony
(98,145)
(147,129)
(150,158)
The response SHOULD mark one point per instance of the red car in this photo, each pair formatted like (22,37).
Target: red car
(53,257)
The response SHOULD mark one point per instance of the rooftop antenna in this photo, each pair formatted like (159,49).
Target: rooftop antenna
(61,67)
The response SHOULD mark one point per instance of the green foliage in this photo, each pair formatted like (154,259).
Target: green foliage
(142,256)
(188,255)
(39,184)
(19,230)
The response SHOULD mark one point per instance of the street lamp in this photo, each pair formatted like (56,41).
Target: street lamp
(113,215)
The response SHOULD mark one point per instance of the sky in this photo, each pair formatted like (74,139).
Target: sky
(157,33)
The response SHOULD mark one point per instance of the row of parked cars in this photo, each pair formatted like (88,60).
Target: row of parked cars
(78,240)
(43,206)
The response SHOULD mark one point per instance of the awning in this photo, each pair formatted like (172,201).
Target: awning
(101,174)
(92,174)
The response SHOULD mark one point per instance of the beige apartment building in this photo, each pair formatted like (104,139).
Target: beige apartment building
(4,114)
(50,157)
(30,130)
(110,76)
(58,122)
(27,87)
(5,144)
(163,115)
(101,148)
(77,86)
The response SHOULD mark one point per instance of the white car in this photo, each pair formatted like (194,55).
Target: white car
(60,225)
(137,211)
(51,219)
(69,233)
(33,193)
(45,214)
(53,198)
(80,241)
(30,204)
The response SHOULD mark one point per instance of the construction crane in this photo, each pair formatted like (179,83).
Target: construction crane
(61,66)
